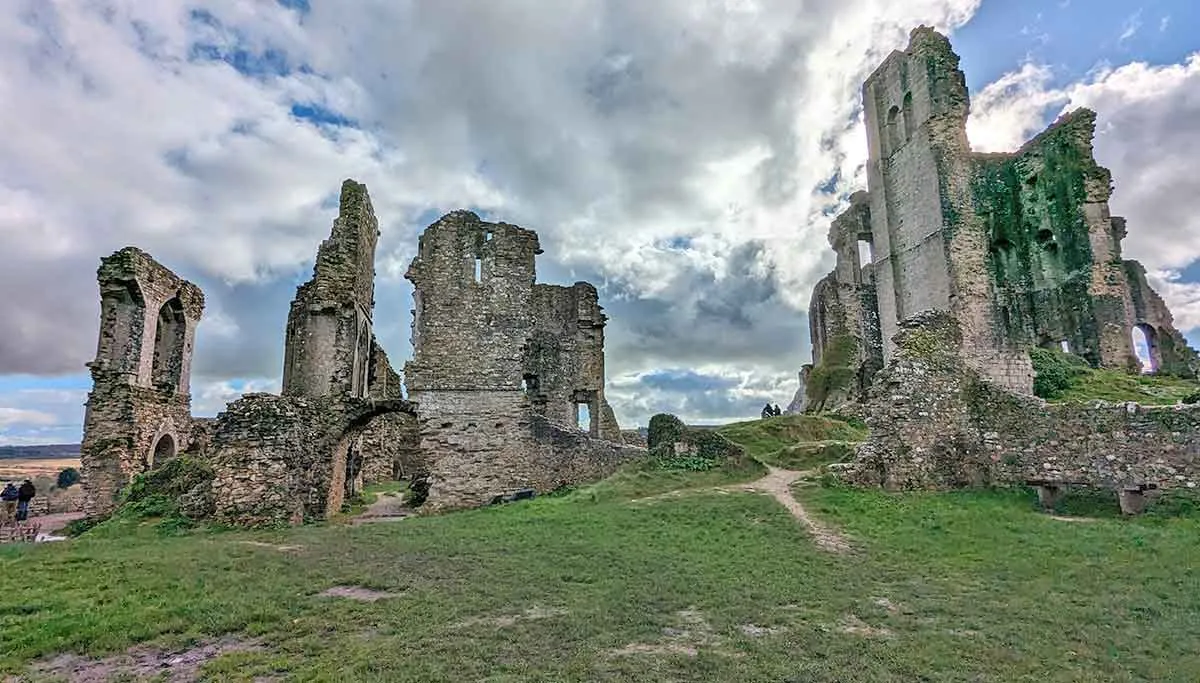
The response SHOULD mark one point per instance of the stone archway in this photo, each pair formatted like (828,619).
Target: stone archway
(165,448)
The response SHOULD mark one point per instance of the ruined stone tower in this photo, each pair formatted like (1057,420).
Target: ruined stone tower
(1019,248)
(329,344)
(139,410)
(503,369)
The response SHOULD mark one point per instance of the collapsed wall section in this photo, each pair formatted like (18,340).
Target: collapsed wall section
(139,410)
(502,368)
(937,423)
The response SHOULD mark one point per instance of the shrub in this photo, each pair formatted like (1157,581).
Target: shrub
(664,429)
(67,478)
(1055,371)
(1192,398)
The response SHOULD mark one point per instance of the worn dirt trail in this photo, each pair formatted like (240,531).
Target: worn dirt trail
(778,485)
(388,507)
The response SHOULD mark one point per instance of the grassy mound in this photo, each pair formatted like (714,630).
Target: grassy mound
(797,441)
(1066,378)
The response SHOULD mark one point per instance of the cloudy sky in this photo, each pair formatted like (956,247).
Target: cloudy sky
(683,155)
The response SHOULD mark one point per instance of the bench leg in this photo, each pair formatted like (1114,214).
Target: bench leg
(1132,502)
(1048,496)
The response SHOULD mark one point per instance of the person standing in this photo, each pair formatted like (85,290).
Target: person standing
(9,498)
(24,495)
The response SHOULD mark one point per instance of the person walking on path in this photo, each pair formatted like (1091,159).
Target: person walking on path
(24,495)
(9,498)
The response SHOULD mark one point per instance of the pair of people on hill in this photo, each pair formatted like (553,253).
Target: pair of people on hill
(771,411)
(16,500)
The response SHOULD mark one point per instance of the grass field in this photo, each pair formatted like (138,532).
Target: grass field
(605,584)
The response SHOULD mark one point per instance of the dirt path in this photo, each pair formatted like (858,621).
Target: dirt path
(388,507)
(778,485)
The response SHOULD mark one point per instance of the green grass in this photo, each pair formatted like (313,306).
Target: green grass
(1117,386)
(960,587)
(796,441)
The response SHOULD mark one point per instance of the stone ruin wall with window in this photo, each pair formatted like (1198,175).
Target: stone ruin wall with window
(974,259)
(1019,247)
(339,422)
(139,410)
(502,367)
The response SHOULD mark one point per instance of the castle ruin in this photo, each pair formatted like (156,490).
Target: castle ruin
(503,369)
(974,259)
(1020,248)
(508,373)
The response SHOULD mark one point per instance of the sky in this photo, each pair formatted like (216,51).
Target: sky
(685,156)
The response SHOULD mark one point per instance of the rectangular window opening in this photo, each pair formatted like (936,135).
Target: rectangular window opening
(487,236)
(583,417)
(478,269)
(865,257)
(1065,346)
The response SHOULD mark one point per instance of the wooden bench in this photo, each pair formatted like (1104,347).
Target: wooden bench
(19,533)
(1132,497)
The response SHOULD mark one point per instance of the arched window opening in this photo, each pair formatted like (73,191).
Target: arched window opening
(169,332)
(122,315)
(909,123)
(478,269)
(1145,347)
(164,450)
(893,133)
(1065,346)
(362,361)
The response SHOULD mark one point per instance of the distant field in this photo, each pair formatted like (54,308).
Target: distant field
(21,468)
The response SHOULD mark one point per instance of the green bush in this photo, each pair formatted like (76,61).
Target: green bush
(67,478)
(1192,398)
(664,429)
(1054,372)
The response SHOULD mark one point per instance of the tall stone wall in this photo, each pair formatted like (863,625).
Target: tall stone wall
(139,410)
(496,355)
(935,422)
(330,342)
(1020,248)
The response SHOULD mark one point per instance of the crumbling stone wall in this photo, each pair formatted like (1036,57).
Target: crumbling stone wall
(139,410)
(500,365)
(282,459)
(1020,248)
(936,422)
(330,343)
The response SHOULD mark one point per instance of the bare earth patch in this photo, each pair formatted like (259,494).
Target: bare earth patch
(692,633)
(141,662)
(505,620)
(758,631)
(1075,520)
(272,546)
(852,625)
(388,507)
(357,593)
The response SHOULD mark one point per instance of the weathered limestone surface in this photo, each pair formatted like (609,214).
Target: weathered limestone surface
(340,422)
(1020,248)
(282,459)
(937,423)
(139,409)
(502,367)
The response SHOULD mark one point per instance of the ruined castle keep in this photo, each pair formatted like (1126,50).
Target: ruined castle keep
(974,260)
(139,410)
(508,373)
(1020,248)
(505,371)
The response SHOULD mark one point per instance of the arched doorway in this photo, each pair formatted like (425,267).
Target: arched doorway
(164,450)
(1145,347)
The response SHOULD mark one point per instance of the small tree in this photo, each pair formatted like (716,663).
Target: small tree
(67,478)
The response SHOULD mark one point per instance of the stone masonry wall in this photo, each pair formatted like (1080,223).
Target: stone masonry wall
(138,412)
(282,459)
(937,423)
(329,342)
(480,444)
(500,365)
